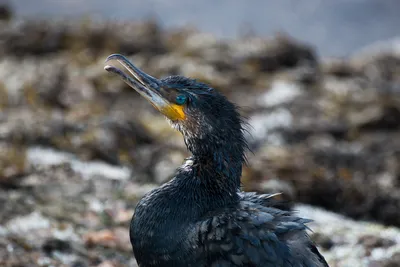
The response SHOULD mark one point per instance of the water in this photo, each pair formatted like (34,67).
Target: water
(334,27)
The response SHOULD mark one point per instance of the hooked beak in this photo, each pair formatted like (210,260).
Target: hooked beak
(146,85)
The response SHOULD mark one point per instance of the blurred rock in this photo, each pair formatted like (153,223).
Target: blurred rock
(345,242)
(393,261)
(371,242)
(6,12)
(41,37)
(281,53)
(12,163)
(118,238)
(51,245)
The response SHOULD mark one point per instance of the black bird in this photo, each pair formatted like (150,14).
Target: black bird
(200,217)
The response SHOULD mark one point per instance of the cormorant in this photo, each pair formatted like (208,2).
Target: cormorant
(201,217)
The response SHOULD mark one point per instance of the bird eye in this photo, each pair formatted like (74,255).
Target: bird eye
(180,99)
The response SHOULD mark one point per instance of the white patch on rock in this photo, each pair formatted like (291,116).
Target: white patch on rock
(96,205)
(281,92)
(263,123)
(3,231)
(27,223)
(199,40)
(46,156)
(97,168)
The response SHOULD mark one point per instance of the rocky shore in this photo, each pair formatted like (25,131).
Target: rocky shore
(78,147)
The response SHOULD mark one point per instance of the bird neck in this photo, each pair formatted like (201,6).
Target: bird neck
(219,164)
(210,188)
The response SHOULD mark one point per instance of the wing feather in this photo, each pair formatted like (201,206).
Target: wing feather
(250,234)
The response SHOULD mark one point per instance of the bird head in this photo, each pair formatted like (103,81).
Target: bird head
(207,120)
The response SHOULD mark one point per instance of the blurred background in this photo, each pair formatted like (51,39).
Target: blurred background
(318,81)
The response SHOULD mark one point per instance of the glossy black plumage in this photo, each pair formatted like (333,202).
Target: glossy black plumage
(200,217)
